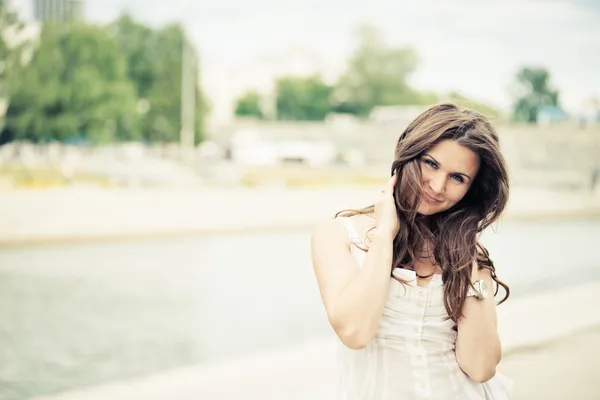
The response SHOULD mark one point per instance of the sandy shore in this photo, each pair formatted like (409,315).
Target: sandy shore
(563,369)
(74,214)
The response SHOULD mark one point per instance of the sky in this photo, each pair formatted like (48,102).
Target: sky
(473,47)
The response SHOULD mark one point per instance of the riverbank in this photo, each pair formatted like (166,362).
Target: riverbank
(83,214)
(568,368)
(546,357)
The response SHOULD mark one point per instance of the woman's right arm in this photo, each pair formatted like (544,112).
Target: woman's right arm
(354,297)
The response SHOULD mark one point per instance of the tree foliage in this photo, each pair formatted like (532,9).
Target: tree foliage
(534,91)
(9,55)
(249,105)
(302,98)
(99,84)
(154,66)
(376,76)
(136,42)
(4,50)
(75,86)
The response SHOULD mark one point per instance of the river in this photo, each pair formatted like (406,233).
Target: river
(82,314)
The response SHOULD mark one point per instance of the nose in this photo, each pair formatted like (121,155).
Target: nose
(437,183)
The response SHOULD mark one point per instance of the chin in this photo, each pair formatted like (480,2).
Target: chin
(428,209)
(427,212)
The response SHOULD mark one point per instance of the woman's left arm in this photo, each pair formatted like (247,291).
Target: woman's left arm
(478,348)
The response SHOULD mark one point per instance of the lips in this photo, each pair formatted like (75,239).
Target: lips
(428,198)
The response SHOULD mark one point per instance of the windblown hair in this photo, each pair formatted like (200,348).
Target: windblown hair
(453,232)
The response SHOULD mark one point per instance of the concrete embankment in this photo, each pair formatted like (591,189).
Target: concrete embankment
(546,340)
(68,215)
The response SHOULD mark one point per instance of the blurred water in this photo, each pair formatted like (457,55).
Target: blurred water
(76,315)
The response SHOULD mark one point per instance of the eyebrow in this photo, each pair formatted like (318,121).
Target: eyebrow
(438,163)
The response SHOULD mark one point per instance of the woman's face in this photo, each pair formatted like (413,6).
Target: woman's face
(447,172)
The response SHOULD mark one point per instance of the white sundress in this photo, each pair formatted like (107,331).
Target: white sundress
(412,355)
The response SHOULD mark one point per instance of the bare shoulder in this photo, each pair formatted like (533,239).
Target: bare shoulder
(328,232)
(333,229)
(363,223)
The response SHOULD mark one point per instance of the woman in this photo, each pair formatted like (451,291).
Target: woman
(405,283)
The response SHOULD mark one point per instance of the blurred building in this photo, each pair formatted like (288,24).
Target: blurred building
(548,114)
(261,147)
(59,11)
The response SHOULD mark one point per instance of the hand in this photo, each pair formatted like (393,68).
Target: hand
(385,210)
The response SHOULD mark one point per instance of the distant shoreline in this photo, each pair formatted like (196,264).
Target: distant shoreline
(48,217)
(6,243)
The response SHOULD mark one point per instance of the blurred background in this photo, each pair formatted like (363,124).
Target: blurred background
(162,166)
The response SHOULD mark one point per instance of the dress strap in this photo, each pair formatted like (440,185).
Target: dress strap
(352,233)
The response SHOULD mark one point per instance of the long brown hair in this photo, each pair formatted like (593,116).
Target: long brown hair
(453,232)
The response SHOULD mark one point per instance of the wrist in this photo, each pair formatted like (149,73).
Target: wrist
(478,291)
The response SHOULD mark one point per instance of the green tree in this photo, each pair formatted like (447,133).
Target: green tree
(5,23)
(74,86)
(533,91)
(9,26)
(137,44)
(376,75)
(165,95)
(248,105)
(154,65)
(302,98)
